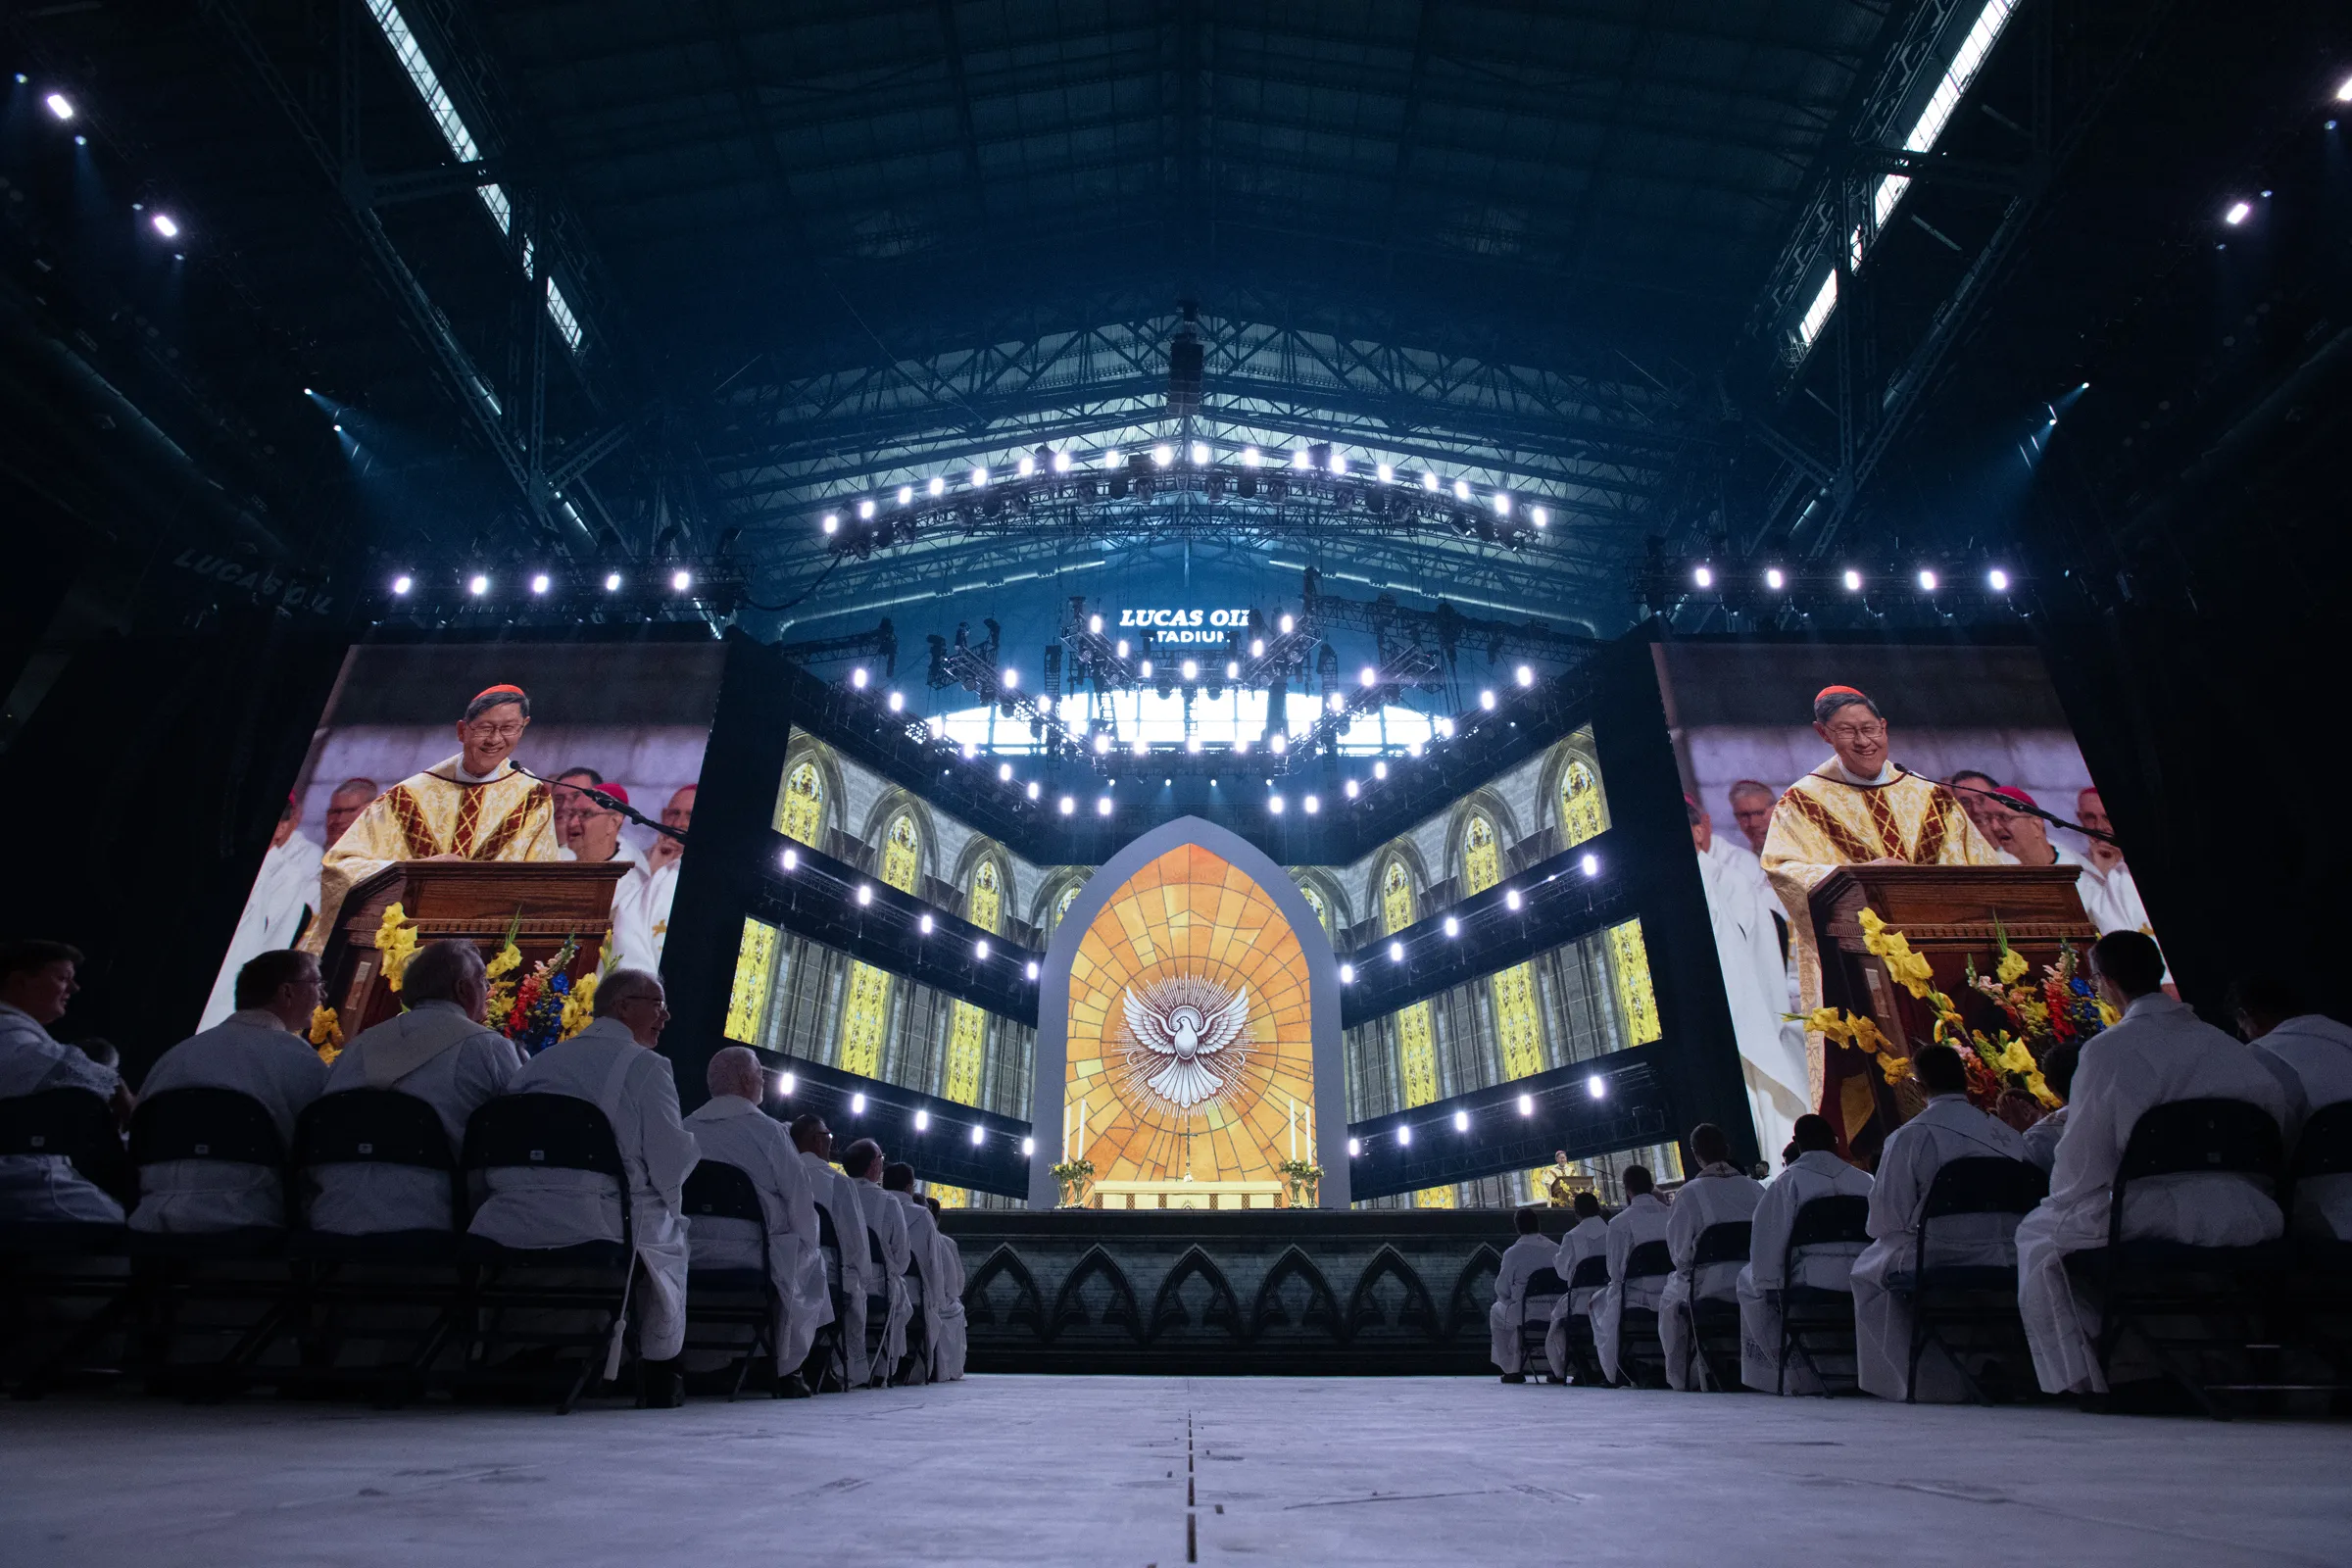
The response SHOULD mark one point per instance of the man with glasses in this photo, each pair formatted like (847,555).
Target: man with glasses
(1856,809)
(475,805)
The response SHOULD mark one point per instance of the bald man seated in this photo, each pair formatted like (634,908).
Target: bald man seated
(926,1288)
(730,1127)
(1588,1238)
(850,1270)
(886,1218)
(1505,1345)
(1718,1193)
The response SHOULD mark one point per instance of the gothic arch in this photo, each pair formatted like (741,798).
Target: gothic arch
(1169,1312)
(807,751)
(1465,1307)
(1416,1311)
(1488,803)
(1028,1308)
(1322,1311)
(1069,1303)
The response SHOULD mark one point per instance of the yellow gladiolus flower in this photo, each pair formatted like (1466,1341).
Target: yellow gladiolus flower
(508,959)
(395,940)
(2013,966)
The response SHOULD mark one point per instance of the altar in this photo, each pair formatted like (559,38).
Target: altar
(1188,1195)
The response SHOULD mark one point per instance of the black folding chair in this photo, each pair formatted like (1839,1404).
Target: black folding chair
(1583,1362)
(830,1350)
(915,1365)
(2319,1278)
(1817,1320)
(55,1261)
(180,1270)
(2151,1288)
(1968,1310)
(1715,1319)
(547,1132)
(877,1315)
(419,1268)
(1640,1355)
(1545,1288)
(729,1297)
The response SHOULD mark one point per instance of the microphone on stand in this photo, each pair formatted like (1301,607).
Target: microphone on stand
(609,804)
(2021,808)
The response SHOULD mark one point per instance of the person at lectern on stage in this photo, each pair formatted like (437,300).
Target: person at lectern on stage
(1856,809)
(475,806)
(1531,1251)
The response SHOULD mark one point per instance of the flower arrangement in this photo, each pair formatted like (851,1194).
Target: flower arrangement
(326,1034)
(396,940)
(1305,1178)
(1074,1175)
(546,1005)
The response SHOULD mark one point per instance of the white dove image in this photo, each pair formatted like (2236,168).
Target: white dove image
(1179,1024)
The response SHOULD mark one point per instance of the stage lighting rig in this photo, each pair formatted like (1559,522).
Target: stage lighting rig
(1929,587)
(521,592)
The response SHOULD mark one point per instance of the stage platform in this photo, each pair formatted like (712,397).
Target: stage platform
(1206,1291)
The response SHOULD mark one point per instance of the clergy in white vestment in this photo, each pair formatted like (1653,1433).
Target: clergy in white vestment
(2158,1052)
(2058,1066)
(1718,1193)
(36,981)
(1643,1219)
(1755,978)
(1816,1172)
(284,890)
(258,1051)
(731,1128)
(1589,1236)
(642,904)
(1532,1250)
(440,1051)
(925,1289)
(2310,1056)
(591,831)
(837,1195)
(863,1161)
(2110,896)
(1946,1128)
(954,1340)
(614,1065)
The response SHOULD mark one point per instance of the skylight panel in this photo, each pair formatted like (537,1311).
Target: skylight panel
(1816,313)
(560,313)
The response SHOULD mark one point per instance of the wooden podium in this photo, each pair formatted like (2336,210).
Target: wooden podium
(477,900)
(1951,914)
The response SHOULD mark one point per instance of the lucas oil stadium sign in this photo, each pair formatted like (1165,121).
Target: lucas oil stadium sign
(1172,627)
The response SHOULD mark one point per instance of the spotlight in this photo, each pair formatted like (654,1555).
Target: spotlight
(1102,745)
(922,1121)
(1111,459)
(1429,481)
(1380,769)
(897,703)
(1405,1137)
(1301,460)
(857,678)
(1035,789)
(1386,473)
(1026,467)
(1094,624)
(980,948)
(1502,505)
(938,486)
(1597,1087)
(1012,681)
(1775,579)
(924,925)
(1704,576)
(979,1135)
(865,511)
(1396,953)
(1527,1104)
(1524,675)
(857,1105)
(1486,699)
(1853,581)
(1313,804)
(164,227)
(1250,458)
(1997,580)
(1192,669)
(971,748)
(539,583)
(1511,900)
(980,478)
(1280,744)
(787,1082)
(1122,648)
(906,494)
(1233,670)
(1200,454)
(865,893)
(1926,580)
(60,105)
(477,584)
(832,523)
(1032,969)
(1103,805)
(1354,789)
(1028,1146)
(1061,463)
(1346,974)
(1192,745)
(1454,928)
(1285,624)
(1541,515)
(1162,455)
(2237,213)
(1257,647)
(2343,94)
(1143,747)
(338,427)
(681,580)
(1274,804)
(1590,864)
(1003,772)
(792,860)
(403,583)
(1069,804)
(1355,1146)
(1368,677)
(611,582)
(1461,489)
(1461,1121)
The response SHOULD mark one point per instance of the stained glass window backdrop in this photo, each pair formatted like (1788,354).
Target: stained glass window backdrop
(968,1036)
(1416,1037)
(1518,1031)
(866,1018)
(800,809)
(1188,917)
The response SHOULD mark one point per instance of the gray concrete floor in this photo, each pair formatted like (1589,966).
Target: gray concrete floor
(1108,1471)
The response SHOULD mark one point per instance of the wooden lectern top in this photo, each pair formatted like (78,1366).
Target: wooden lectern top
(1948,905)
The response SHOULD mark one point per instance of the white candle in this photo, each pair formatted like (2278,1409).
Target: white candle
(1294,1122)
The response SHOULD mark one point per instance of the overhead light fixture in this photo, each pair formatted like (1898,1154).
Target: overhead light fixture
(1775,578)
(477,584)
(1162,455)
(922,1121)
(1597,1087)
(1031,971)
(980,948)
(1012,681)
(1346,974)
(832,523)
(1200,454)
(1926,580)
(1103,805)
(1274,804)
(896,703)
(60,105)
(1354,789)
(611,582)
(1094,624)
(1026,467)
(1368,677)
(1454,928)
(865,893)
(1396,953)
(1511,899)
(1380,769)
(1111,459)
(1524,675)
(906,494)
(1250,457)
(1279,743)
(787,1082)
(1035,789)
(1486,699)
(1285,624)
(1527,1104)
(1003,772)
(1069,804)
(1405,1137)
(1122,648)
(857,678)
(1997,580)
(1311,805)
(1061,463)
(1853,581)
(1461,489)
(938,486)
(925,925)
(1502,505)
(1102,744)
(1301,460)
(1192,669)
(164,227)
(1339,464)
(1590,864)
(2237,213)
(403,583)
(1355,1146)
(1704,576)
(540,583)
(791,860)
(1539,515)
(866,510)
(979,478)
(1387,473)
(1028,1144)
(979,1135)
(1429,481)
(1461,1121)
(857,1105)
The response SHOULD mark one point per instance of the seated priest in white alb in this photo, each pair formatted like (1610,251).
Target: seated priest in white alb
(1643,1219)
(1718,1193)
(864,1162)
(2310,1056)
(2157,1053)
(837,1195)
(275,911)
(258,1051)
(1946,1128)
(2058,1066)
(615,1064)
(1816,1172)
(1531,1251)
(730,1127)
(36,981)
(947,1366)
(1589,1236)
(925,1287)
(439,1051)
